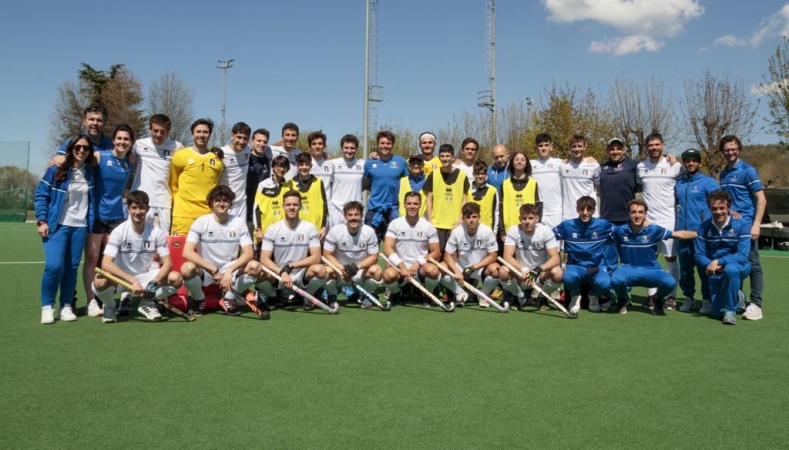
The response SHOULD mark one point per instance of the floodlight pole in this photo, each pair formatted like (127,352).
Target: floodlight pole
(223,66)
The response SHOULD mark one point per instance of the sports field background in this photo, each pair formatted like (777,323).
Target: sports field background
(409,378)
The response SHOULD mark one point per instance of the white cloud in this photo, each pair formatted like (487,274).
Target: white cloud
(624,45)
(776,25)
(644,22)
(762,89)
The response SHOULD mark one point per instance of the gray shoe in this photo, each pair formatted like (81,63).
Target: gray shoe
(687,305)
(108,313)
(729,318)
(706,308)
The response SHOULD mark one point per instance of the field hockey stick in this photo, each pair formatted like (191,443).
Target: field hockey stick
(128,286)
(424,290)
(304,294)
(534,286)
(358,287)
(262,313)
(470,287)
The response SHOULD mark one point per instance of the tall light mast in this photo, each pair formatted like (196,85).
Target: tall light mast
(372,92)
(487,98)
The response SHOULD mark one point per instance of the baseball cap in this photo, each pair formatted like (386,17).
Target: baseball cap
(616,139)
(415,157)
(691,153)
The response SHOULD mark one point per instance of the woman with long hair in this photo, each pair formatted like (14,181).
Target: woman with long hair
(519,189)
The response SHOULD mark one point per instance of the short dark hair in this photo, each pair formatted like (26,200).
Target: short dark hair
(480,166)
(353,204)
(95,108)
(574,139)
(469,209)
(290,126)
(637,202)
(220,191)
(303,158)
(349,138)
(729,138)
(654,135)
(138,197)
(160,119)
(316,135)
(469,140)
(385,134)
(412,194)
(446,148)
(528,208)
(542,137)
(241,128)
(719,195)
(281,160)
(292,193)
(262,131)
(123,127)
(207,122)
(585,202)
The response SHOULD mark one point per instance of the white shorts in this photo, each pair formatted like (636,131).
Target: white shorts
(551,220)
(336,217)
(163,218)
(667,248)
(298,278)
(475,275)
(208,280)
(144,278)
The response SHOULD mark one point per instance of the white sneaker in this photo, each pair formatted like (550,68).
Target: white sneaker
(575,304)
(753,312)
(109,313)
(594,304)
(706,308)
(461,297)
(687,305)
(67,314)
(148,309)
(93,309)
(47,315)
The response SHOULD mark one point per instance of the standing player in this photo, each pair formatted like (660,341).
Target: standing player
(497,172)
(290,134)
(414,182)
(691,194)
(194,172)
(485,195)
(580,178)
(427,145)
(94,118)
(322,168)
(409,241)
(212,253)
(658,177)
(314,207)
(519,189)
(259,167)
(468,155)
(268,199)
(446,194)
(130,256)
(532,248)
(291,248)
(471,252)
(382,178)
(547,171)
(236,163)
(743,184)
(152,175)
(353,246)
(348,179)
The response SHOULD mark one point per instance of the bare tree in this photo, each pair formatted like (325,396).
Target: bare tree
(713,108)
(641,109)
(776,88)
(67,118)
(170,95)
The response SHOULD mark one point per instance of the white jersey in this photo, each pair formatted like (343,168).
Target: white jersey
(276,150)
(153,170)
(471,249)
(235,177)
(658,181)
(348,176)
(412,242)
(548,173)
(349,248)
(216,243)
(578,180)
(531,251)
(465,168)
(133,253)
(289,245)
(324,170)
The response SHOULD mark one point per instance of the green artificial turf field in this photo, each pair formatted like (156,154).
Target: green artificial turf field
(409,378)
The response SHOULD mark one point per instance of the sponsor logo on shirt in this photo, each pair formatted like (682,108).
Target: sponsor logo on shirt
(210,234)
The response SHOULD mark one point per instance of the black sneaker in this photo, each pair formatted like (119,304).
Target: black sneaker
(308,306)
(124,306)
(650,303)
(657,308)
(196,309)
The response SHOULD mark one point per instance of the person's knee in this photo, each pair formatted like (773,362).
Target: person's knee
(175,279)
(189,270)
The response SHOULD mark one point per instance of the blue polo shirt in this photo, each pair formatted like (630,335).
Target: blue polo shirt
(111,176)
(384,182)
(742,182)
(617,188)
(691,193)
(584,242)
(729,244)
(640,249)
(497,175)
(105,144)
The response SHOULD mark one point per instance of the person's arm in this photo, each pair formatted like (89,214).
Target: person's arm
(449,260)
(700,254)
(323,229)
(428,189)
(683,235)
(108,264)
(41,201)
(553,259)
(190,254)
(761,207)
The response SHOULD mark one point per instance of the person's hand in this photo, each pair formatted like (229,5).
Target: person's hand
(349,270)
(756,231)
(736,215)
(43,230)
(322,234)
(671,159)
(459,276)
(56,161)
(373,155)
(150,290)
(216,275)
(414,269)
(467,272)
(226,283)
(714,267)
(137,289)
(534,274)
(287,281)
(259,234)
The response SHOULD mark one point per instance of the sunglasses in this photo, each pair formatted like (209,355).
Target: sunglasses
(81,147)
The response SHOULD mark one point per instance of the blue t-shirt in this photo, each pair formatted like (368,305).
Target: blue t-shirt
(617,188)
(640,249)
(691,196)
(105,144)
(742,182)
(385,182)
(497,175)
(111,176)
(417,183)
(584,242)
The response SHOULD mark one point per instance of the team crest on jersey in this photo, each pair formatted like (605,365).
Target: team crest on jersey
(212,161)
(128,245)
(232,234)
(695,189)
(575,235)
(358,167)
(147,244)
(325,168)
(394,165)
(644,238)
(663,171)
(625,239)
(419,234)
(586,172)
(550,166)
(537,245)
(343,244)
(594,234)
(402,233)
(190,161)
(109,163)
(302,238)
(375,165)
(479,242)
(731,232)
(363,245)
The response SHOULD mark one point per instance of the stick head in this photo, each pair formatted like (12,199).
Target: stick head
(387,306)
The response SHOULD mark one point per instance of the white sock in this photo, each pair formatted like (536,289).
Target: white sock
(451,284)
(371,285)
(314,284)
(512,287)
(242,284)
(163,292)
(266,288)
(394,288)
(551,286)
(331,286)
(651,291)
(106,295)
(489,284)
(195,287)
(431,283)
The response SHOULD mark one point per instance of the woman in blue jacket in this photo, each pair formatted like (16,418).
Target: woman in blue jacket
(64,209)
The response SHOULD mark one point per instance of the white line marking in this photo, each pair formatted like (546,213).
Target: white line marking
(21,262)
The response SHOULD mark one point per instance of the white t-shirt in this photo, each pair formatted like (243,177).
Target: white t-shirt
(412,243)
(324,170)
(74,212)
(276,150)
(348,176)
(153,170)
(290,244)
(235,177)
(578,180)
(466,168)
(531,250)
(348,248)
(658,181)
(471,249)
(134,252)
(548,174)
(216,243)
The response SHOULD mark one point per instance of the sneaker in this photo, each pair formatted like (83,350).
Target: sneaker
(108,314)
(67,314)
(650,303)
(741,303)
(93,308)
(606,305)
(148,309)
(229,305)
(575,304)
(392,299)
(483,304)
(125,307)
(594,304)
(461,299)
(427,303)
(657,307)
(47,315)
(687,305)
(706,307)
(196,308)
(331,301)
(621,304)
(367,304)
(308,306)
(671,303)
(752,312)
(544,305)
(729,318)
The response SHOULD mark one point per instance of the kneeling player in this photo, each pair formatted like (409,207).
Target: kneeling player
(409,241)
(353,247)
(292,249)
(129,255)
(471,254)
(212,253)
(531,248)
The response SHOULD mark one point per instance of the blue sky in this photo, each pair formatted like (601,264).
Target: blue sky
(303,61)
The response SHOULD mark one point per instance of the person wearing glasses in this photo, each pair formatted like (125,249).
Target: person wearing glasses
(64,210)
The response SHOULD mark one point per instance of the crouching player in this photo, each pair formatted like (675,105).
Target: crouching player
(722,248)
(409,241)
(471,254)
(129,255)
(212,254)
(353,247)
(638,245)
(532,248)
(584,239)
(292,249)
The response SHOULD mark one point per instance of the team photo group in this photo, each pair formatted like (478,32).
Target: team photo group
(188,230)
